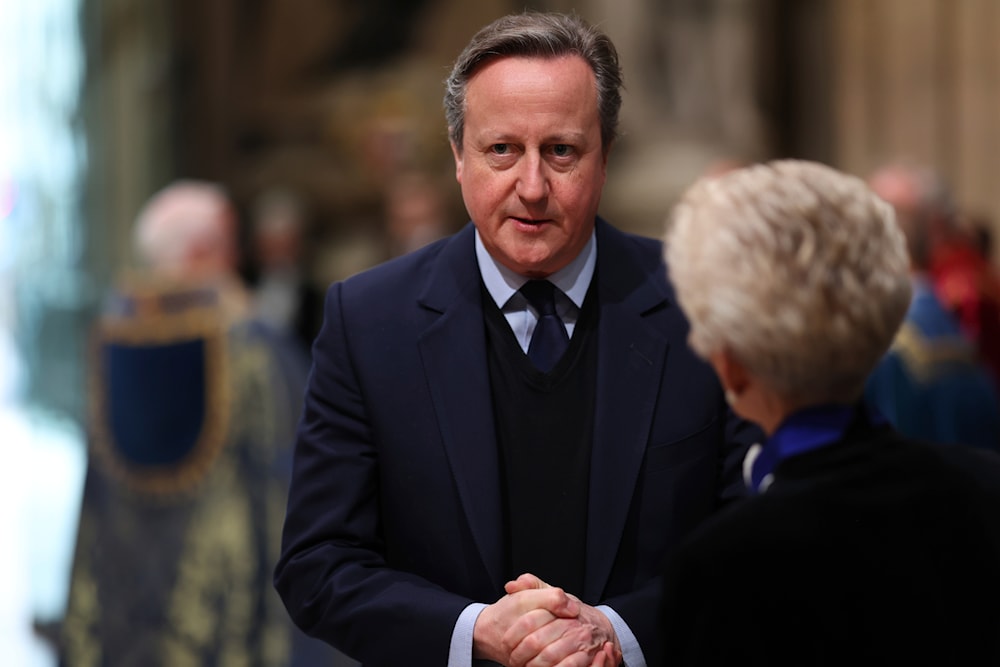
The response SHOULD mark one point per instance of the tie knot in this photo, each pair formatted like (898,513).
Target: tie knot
(541,294)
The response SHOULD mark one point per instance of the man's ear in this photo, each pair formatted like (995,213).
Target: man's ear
(457,153)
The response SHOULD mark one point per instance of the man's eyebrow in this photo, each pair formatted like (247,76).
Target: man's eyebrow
(566,137)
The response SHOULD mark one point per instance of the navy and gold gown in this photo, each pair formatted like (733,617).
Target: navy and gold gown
(192,420)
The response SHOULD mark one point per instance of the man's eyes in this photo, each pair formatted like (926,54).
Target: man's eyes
(557,150)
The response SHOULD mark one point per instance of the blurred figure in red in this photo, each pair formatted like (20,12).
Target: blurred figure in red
(932,384)
(969,285)
(963,277)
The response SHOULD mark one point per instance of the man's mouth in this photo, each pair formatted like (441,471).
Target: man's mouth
(532,222)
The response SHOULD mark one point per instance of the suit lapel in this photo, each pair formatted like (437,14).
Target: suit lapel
(453,350)
(631,359)
(631,354)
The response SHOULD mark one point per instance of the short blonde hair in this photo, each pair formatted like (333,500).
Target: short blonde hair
(796,269)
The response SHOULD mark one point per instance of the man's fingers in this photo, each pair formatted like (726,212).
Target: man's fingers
(524,582)
(605,657)
(552,599)
(556,643)
(531,634)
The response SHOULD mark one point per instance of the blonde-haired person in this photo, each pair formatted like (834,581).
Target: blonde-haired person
(857,546)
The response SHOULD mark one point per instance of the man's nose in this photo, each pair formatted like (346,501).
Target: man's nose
(532,182)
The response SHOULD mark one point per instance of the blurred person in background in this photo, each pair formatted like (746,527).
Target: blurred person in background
(962,277)
(970,283)
(858,546)
(191,427)
(284,296)
(415,211)
(980,229)
(931,384)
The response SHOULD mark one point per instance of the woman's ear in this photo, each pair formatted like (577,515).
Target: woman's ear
(732,374)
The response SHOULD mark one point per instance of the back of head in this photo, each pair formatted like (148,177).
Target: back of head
(796,269)
(187,230)
(538,35)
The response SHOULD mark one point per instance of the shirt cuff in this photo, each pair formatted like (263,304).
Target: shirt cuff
(460,651)
(631,653)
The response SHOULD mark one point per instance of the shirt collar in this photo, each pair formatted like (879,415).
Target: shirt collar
(573,279)
(803,431)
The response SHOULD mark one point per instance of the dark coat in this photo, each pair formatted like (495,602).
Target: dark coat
(875,550)
(394,521)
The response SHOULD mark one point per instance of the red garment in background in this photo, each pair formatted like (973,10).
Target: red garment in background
(969,285)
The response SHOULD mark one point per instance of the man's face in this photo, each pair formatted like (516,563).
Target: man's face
(531,166)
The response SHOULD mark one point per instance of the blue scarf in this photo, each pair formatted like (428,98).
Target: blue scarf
(802,431)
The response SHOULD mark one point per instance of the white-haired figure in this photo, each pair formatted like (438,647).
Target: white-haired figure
(188,230)
(193,413)
(857,545)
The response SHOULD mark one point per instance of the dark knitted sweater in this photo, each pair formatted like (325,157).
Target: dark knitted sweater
(545,433)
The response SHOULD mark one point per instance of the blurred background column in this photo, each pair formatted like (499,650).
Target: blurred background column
(44,294)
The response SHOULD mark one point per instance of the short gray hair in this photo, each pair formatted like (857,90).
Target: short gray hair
(545,35)
(184,219)
(796,269)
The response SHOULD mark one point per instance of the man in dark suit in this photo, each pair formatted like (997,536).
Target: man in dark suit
(460,430)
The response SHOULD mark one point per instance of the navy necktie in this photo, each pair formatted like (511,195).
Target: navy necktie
(549,340)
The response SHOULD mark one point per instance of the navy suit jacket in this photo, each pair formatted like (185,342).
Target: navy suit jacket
(394,520)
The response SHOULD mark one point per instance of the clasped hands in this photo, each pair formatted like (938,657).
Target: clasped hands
(537,625)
